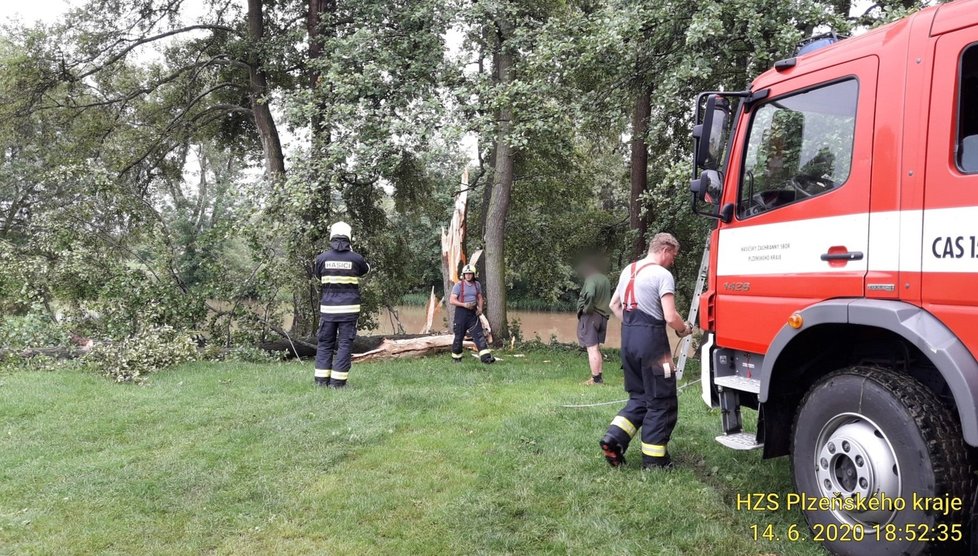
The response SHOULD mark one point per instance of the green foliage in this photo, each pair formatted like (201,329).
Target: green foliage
(240,352)
(152,351)
(515,330)
(130,195)
(31,330)
(14,362)
(414,299)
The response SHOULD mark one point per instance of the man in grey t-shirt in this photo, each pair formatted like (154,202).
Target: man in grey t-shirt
(645,302)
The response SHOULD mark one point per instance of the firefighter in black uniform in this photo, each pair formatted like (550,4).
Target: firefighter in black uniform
(339,271)
(468,301)
(645,303)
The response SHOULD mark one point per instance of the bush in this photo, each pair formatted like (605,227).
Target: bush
(43,363)
(251,354)
(515,331)
(32,330)
(240,352)
(150,351)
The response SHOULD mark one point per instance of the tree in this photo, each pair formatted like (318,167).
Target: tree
(503,30)
(367,84)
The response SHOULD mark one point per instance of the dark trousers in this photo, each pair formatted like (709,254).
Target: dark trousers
(466,321)
(653,403)
(334,353)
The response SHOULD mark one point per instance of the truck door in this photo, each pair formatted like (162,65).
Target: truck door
(800,229)
(949,262)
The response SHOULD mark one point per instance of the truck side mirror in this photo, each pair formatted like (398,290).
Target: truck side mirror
(707,189)
(710,135)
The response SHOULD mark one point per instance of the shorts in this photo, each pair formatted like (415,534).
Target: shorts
(591,329)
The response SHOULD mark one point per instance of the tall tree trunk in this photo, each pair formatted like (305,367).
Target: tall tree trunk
(488,180)
(317,34)
(258,91)
(639,171)
(306,295)
(495,234)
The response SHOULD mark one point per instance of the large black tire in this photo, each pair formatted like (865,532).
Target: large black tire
(870,432)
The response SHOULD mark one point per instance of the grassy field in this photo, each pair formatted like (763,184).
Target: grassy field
(416,457)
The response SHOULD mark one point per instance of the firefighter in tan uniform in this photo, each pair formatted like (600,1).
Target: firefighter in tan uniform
(645,303)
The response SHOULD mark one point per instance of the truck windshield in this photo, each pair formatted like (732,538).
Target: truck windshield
(798,146)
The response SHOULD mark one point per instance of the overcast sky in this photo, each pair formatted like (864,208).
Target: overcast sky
(47,11)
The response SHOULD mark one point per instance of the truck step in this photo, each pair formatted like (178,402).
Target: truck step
(739,441)
(737,382)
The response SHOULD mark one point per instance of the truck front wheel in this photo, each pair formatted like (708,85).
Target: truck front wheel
(863,434)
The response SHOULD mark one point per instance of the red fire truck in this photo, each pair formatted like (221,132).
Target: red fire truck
(842,294)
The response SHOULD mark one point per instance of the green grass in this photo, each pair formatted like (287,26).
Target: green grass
(417,457)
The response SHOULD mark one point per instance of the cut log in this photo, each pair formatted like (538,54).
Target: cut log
(362,344)
(366,348)
(410,347)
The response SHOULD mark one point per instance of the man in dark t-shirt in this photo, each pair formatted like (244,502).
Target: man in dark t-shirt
(592,318)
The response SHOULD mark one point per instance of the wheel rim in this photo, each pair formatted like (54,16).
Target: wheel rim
(854,459)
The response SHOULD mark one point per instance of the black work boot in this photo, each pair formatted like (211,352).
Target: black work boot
(613,451)
(321,382)
(649,462)
(488,359)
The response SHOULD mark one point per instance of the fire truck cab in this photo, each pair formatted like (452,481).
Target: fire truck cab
(842,294)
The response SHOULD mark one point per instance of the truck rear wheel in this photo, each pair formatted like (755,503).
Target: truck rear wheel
(864,433)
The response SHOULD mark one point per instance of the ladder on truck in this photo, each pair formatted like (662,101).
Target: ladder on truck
(694,309)
(729,387)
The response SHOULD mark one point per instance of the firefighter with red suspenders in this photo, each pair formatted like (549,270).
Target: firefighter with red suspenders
(645,303)
(467,298)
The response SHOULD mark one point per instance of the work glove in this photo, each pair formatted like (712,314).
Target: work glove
(686,331)
(470,305)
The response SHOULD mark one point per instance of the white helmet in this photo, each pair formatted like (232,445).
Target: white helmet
(341,229)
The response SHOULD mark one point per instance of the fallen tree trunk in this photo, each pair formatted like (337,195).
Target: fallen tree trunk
(410,347)
(366,348)
(306,347)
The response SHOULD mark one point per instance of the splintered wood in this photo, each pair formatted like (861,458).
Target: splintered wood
(453,239)
(430,312)
(453,243)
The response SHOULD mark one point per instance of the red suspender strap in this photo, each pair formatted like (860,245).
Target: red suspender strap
(630,290)
(630,302)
